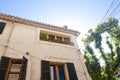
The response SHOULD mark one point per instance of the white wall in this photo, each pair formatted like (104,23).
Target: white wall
(24,39)
(4,37)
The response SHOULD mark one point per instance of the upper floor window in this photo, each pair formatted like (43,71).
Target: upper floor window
(55,38)
(43,36)
(51,38)
(2,26)
(66,40)
(59,39)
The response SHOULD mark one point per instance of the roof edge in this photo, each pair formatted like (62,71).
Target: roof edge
(38,24)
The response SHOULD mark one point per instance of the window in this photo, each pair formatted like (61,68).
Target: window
(43,36)
(56,71)
(55,38)
(13,69)
(2,26)
(51,38)
(59,39)
(66,40)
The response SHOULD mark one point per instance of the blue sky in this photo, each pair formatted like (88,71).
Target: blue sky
(76,14)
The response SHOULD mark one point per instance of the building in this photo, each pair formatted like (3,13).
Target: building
(32,50)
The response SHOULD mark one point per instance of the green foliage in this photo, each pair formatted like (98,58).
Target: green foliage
(111,59)
(43,36)
(92,64)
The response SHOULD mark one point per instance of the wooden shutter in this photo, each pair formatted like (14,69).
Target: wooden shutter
(5,61)
(45,70)
(2,25)
(71,71)
(23,69)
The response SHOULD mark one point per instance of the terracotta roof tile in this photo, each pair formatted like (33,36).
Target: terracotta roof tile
(37,24)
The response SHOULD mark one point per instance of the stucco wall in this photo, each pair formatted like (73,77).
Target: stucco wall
(5,36)
(25,38)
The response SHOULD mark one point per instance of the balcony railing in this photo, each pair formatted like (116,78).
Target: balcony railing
(57,41)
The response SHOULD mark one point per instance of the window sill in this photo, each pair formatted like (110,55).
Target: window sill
(59,42)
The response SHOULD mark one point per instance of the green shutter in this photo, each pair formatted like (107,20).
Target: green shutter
(2,25)
(5,61)
(71,71)
(45,70)
(23,69)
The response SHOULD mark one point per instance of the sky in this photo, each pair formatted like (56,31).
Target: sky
(79,15)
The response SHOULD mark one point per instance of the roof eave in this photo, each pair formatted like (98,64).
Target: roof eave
(38,24)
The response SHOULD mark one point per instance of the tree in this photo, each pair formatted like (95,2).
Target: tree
(111,58)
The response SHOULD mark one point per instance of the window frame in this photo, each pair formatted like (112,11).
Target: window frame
(71,73)
(14,61)
(59,39)
(5,67)
(57,64)
(2,27)
(43,36)
(56,38)
(51,38)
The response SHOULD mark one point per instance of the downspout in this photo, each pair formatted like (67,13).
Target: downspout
(6,46)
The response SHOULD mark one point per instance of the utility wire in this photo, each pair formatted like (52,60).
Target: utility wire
(18,51)
(21,52)
(114,10)
(107,10)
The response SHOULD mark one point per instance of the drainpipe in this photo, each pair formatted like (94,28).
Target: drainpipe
(9,37)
